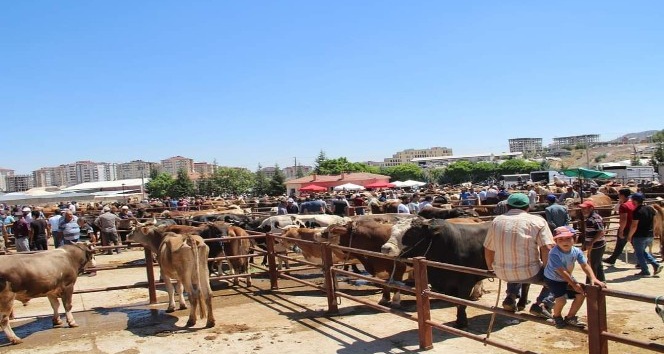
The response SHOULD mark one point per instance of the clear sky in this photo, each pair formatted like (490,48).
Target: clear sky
(249,82)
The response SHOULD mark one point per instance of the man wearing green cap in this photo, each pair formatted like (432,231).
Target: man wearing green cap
(517,248)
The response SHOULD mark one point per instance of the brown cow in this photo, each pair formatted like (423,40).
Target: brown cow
(370,232)
(51,274)
(232,248)
(183,258)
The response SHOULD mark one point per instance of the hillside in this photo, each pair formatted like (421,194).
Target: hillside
(607,153)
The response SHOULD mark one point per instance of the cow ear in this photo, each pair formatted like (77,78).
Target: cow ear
(426,223)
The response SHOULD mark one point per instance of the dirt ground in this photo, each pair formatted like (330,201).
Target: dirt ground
(293,319)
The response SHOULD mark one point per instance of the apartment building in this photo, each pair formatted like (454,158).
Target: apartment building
(291,171)
(135,169)
(566,141)
(407,156)
(19,183)
(526,145)
(4,173)
(173,164)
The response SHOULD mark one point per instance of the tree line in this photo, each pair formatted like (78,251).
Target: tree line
(235,181)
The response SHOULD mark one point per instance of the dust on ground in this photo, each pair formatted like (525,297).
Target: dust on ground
(294,319)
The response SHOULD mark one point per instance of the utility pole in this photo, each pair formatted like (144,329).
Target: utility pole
(587,155)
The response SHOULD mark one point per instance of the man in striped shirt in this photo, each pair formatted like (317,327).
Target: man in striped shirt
(517,248)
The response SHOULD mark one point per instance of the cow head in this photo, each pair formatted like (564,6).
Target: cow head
(334,232)
(89,258)
(394,246)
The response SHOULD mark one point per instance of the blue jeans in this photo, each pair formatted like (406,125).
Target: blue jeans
(545,296)
(642,256)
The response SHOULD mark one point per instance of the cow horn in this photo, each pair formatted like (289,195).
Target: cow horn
(154,220)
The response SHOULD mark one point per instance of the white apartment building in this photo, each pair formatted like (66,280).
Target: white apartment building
(407,156)
(4,173)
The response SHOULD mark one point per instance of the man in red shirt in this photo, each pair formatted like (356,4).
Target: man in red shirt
(625,210)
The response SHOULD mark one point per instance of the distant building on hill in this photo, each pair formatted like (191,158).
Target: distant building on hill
(526,145)
(407,156)
(446,160)
(571,141)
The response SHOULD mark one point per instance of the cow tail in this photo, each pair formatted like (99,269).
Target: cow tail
(196,279)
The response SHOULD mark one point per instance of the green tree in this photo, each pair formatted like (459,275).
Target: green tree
(299,173)
(159,186)
(261,182)
(277,186)
(457,172)
(319,161)
(182,186)
(515,166)
(483,170)
(403,172)
(236,181)
(635,161)
(341,164)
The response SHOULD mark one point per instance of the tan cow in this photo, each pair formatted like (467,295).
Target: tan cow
(49,274)
(183,258)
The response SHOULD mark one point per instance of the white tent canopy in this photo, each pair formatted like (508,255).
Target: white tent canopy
(408,184)
(349,187)
(399,184)
(411,183)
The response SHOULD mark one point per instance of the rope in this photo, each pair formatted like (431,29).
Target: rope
(493,314)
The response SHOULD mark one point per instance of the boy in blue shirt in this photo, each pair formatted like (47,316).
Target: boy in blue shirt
(559,279)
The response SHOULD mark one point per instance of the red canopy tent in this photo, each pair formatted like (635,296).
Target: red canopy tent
(379,185)
(313,188)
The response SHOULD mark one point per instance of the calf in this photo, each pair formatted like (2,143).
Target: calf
(51,274)
(183,258)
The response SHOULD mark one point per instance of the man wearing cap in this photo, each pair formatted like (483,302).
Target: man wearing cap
(21,230)
(282,207)
(626,209)
(594,241)
(571,193)
(107,223)
(641,234)
(516,248)
(291,207)
(556,214)
(125,213)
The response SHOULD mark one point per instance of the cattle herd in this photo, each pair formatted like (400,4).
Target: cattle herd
(445,233)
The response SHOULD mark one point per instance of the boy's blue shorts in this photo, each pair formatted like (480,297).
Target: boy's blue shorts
(560,288)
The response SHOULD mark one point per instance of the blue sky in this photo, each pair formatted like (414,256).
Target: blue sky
(266,81)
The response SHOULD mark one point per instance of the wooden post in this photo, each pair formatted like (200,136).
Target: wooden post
(271,262)
(330,289)
(149,267)
(596,306)
(424,330)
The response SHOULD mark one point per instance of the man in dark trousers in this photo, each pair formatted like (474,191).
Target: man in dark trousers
(625,210)
(641,235)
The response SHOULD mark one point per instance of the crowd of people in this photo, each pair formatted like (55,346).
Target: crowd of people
(33,231)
